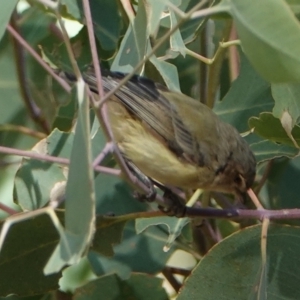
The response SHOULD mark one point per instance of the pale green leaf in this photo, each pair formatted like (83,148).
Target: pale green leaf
(270,36)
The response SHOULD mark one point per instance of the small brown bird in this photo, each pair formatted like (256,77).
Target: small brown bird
(173,138)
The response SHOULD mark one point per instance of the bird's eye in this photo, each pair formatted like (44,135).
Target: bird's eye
(238,180)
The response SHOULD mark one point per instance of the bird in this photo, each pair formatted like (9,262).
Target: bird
(172,138)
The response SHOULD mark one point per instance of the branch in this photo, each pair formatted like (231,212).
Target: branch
(54,159)
(34,110)
(36,56)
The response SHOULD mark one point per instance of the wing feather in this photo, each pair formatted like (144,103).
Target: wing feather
(148,102)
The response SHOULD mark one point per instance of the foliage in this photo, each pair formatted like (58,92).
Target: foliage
(76,232)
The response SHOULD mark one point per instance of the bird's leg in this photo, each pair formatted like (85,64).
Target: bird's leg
(175,206)
(150,197)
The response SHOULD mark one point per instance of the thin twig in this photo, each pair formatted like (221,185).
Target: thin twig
(171,279)
(211,232)
(23,130)
(7,209)
(264,176)
(233,57)
(35,55)
(20,63)
(214,213)
(180,271)
(68,45)
(213,74)
(108,148)
(89,23)
(254,199)
(222,200)
(209,11)
(263,246)
(128,9)
(54,159)
(34,155)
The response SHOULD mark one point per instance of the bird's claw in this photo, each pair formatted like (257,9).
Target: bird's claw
(174,206)
(150,197)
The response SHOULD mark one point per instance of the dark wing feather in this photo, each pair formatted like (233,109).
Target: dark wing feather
(145,100)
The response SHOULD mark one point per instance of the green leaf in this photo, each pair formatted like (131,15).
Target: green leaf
(137,253)
(270,128)
(168,72)
(65,116)
(108,233)
(286,98)
(176,41)
(114,196)
(23,257)
(13,297)
(80,197)
(281,189)
(174,227)
(248,96)
(267,150)
(232,268)
(35,26)
(75,276)
(190,29)
(287,106)
(7,177)
(138,286)
(270,40)
(37,82)
(154,9)
(134,44)
(71,8)
(107,23)
(15,113)
(60,143)
(294,6)
(188,71)
(34,182)
(57,52)
(7,8)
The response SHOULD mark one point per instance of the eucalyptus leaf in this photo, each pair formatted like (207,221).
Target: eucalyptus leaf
(287,99)
(138,286)
(236,271)
(266,150)
(26,257)
(271,41)
(136,253)
(134,44)
(80,198)
(269,127)
(7,8)
(174,227)
(281,189)
(248,96)
(34,182)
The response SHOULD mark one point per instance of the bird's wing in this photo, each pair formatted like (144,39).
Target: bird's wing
(160,109)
